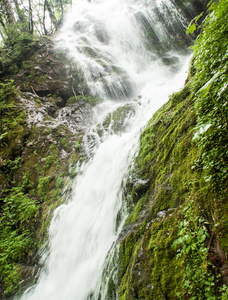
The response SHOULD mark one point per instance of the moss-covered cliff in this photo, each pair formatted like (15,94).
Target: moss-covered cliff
(176,241)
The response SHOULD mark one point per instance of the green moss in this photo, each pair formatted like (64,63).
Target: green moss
(150,271)
(125,252)
(166,152)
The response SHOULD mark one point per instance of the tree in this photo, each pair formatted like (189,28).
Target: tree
(7,20)
(31,16)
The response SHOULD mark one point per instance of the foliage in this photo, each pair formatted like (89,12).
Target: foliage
(77,145)
(193,24)
(15,50)
(7,93)
(17,224)
(30,16)
(8,111)
(43,186)
(11,118)
(211,91)
(21,23)
(23,186)
(199,282)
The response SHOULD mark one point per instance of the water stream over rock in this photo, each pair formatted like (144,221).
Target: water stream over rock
(130,55)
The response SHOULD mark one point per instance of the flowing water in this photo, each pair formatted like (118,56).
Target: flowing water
(127,55)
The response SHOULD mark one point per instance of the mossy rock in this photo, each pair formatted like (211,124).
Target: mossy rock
(117,120)
(157,193)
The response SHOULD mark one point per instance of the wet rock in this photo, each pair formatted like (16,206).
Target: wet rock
(47,72)
(43,111)
(118,120)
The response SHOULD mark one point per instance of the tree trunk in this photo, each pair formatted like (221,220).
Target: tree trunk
(20,14)
(51,15)
(30,18)
(44,19)
(8,12)
(8,20)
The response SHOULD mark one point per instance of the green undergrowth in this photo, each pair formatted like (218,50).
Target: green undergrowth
(209,84)
(19,211)
(15,50)
(177,192)
(150,274)
(210,65)
(19,214)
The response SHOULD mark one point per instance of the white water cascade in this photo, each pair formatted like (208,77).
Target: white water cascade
(119,63)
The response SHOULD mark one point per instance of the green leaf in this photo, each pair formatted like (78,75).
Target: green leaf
(191,28)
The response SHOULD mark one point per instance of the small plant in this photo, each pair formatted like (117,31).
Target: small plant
(224,291)
(43,186)
(73,171)
(63,142)
(199,281)
(48,161)
(60,182)
(77,145)
(38,101)
(72,99)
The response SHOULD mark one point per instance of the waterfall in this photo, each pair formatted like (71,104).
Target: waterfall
(127,54)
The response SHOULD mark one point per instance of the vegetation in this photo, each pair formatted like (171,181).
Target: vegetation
(18,219)
(21,23)
(31,17)
(198,279)
(210,66)
(19,213)
(32,177)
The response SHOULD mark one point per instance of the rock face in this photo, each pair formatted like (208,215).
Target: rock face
(46,73)
(50,101)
